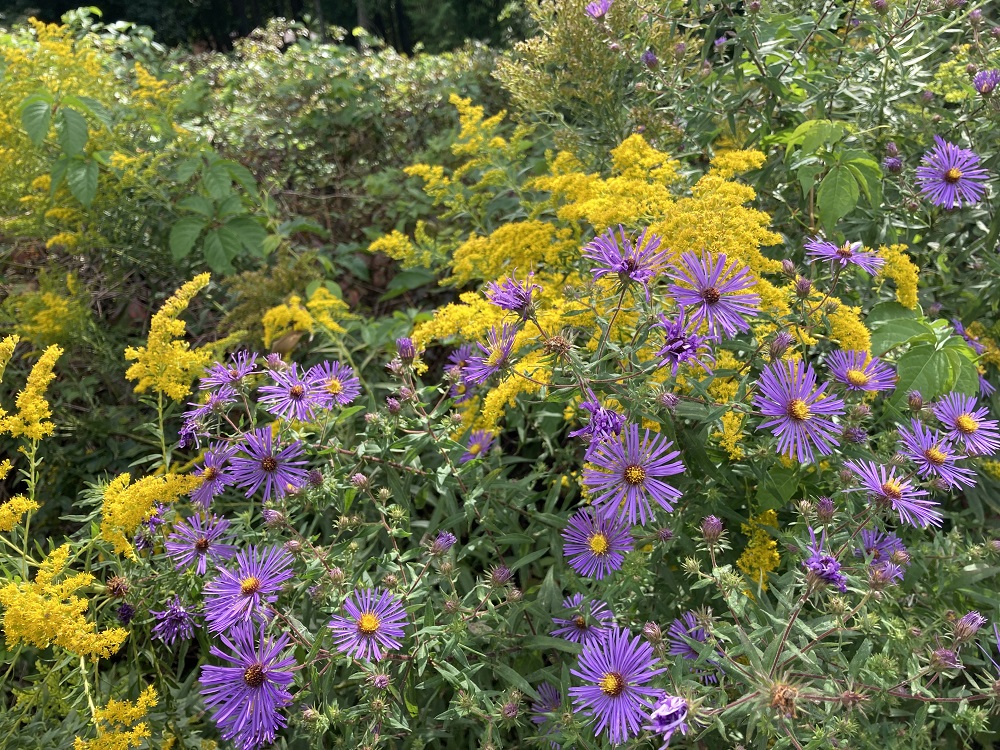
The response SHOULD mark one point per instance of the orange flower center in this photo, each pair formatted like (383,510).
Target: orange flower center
(953,175)
(935,456)
(249,586)
(580,622)
(798,410)
(967,424)
(368,623)
(254,675)
(891,488)
(711,295)
(613,684)
(296,392)
(210,473)
(635,475)
(201,545)
(844,251)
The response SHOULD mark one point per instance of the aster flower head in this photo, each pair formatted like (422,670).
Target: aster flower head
(293,395)
(594,544)
(986,81)
(199,540)
(499,576)
(630,471)
(892,164)
(241,365)
(480,442)
(598,9)
(125,613)
(848,254)
(716,292)
(494,355)
(971,340)
(174,623)
(633,260)
(216,404)
(334,384)
(797,412)
(823,567)
(884,574)
(616,670)
(950,176)
(245,697)
(933,455)
(214,473)
(967,425)
(458,361)
(549,702)
(406,349)
(682,344)
(269,465)
(442,543)
(603,424)
(967,626)
(588,619)
(986,388)
(241,593)
(888,490)
(680,631)
(668,716)
(859,371)
(880,546)
(513,296)
(371,626)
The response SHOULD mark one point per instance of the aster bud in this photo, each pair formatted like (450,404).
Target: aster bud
(975,16)
(855,435)
(515,595)
(393,405)
(837,605)
(860,412)
(994,545)
(390,580)
(825,509)
(711,529)
(310,715)
(892,164)
(273,361)
(927,96)
(845,476)
(371,418)
(691,565)
(995,32)
(649,59)
(384,494)
(900,557)
(805,508)
(779,344)
(273,519)
(943,659)
(967,626)
(359,480)
(446,568)
(652,632)
(406,393)
(788,268)
(753,6)
(125,613)
(294,546)
(406,349)
(451,606)
(614,46)
(455,418)
(831,306)
(971,69)
(666,535)
(314,478)
(668,400)
(396,366)
(336,576)
(499,575)
(891,149)
(803,287)
(915,401)
(117,587)
(880,6)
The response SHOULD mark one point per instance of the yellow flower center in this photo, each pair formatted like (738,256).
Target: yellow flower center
(891,488)
(967,424)
(613,684)
(210,473)
(250,585)
(798,410)
(845,251)
(254,675)
(495,356)
(368,623)
(935,456)
(580,622)
(296,392)
(269,463)
(598,544)
(201,545)
(953,175)
(635,475)
(475,448)
(334,386)
(857,377)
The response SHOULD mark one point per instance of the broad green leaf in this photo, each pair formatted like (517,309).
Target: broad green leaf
(187,168)
(869,177)
(777,489)
(964,371)
(101,113)
(807,175)
(216,181)
(183,235)
(81,178)
(215,253)
(886,311)
(923,368)
(837,196)
(197,203)
(250,233)
(514,678)
(36,115)
(71,130)
(897,332)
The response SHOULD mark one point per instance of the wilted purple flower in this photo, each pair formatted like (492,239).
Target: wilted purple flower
(850,253)
(668,716)
(215,476)
(480,441)
(267,464)
(985,81)
(173,623)
(406,349)
(200,539)
(943,659)
(293,396)
(887,489)
(797,411)
(933,455)
(335,384)
(682,344)
(513,296)
(950,175)
(595,545)
(588,619)
(881,546)
(125,613)
(275,363)
(633,260)
(616,668)
(859,371)
(373,625)
(967,626)
(242,594)
(443,543)
(241,364)
(629,472)
(821,566)
(598,9)
(884,574)
(964,422)
(245,697)
(603,424)
(892,164)
(495,355)
(717,292)
(458,361)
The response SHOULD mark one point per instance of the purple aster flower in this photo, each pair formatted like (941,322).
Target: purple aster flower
(986,388)
(215,476)
(458,360)
(373,624)
(596,545)
(499,575)
(513,296)
(884,574)
(943,659)
(444,542)
(892,164)
(198,540)
(721,42)
(986,653)
(335,383)
(681,344)
(242,594)
(629,472)
(797,410)
(821,566)
(603,424)
(245,697)
(597,10)
(717,292)
(967,626)
(494,357)
(241,364)
(549,702)
(480,441)
(680,631)
(668,717)
(632,259)
(125,613)
(850,253)
(880,546)
(616,669)
(950,175)
(860,372)
(216,404)
(888,490)
(588,619)
(854,435)
(971,340)
(933,455)
(173,623)
(406,349)
(649,59)
(292,396)
(964,422)
(266,463)
(985,81)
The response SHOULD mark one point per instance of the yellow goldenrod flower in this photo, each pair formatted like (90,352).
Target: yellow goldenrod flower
(126,505)
(32,408)
(289,319)
(761,554)
(327,309)
(12,511)
(903,272)
(118,724)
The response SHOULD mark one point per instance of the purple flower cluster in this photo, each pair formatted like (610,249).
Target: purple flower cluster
(715,292)
(594,545)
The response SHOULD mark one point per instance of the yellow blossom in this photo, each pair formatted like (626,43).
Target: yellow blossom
(289,318)
(731,434)
(118,724)
(13,510)
(32,409)
(327,310)
(903,272)
(761,554)
(127,504)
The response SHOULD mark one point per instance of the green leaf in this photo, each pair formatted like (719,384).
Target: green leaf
(897,332)
(216,181)
(186,169)
(215,253)
(966,375)
(249,232)
(406,281)
(837,196)
(923,368)
(869,177)
(778,489)
(807,175)
(183,235)
(513,678)
(197,203)
(71,130)
(36,115)
(81,178)
(101,113)
(886,311)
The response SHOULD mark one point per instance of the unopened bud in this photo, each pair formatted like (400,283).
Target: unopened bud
(779,344)
(294,546)
(652,632)
(803,287)
(915,401)
(711,529)
(336,576)
(967,626)
(825,509)
(788,268)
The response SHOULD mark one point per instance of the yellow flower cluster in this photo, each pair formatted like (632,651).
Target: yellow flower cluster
(167,364)
(731,434)
(523,244)
(761,554)
(49,316)
(119,725)
(12,511)
(977,330)
(730,162)
(33,412)
(903,272)
(327,310)
(126,505)
(289,318)
(45,612)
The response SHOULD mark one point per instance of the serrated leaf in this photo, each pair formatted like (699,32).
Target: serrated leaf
(81,179)
(215,253)
(923,368)
(897,332)
(71,130)
(183,235)
(837,196)
(216,181)
(36,116)
(886,311)
(965,374)
(197,203)
(101,113)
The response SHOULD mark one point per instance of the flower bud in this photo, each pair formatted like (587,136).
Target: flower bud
(927,96)
(915,401)
(384,494)
(880,6)
(942,659)
(499,575)
(336,576)
(975,16)
(831,306)
(971,69)
(679,49)
(273,519)
(515,595)
(753,6)
(294,546)
(310,715)
(125,613)
(825,509)
(855,435)
(652,632)
(649,59)
(451,606)
(359,480)
(668,400)
(666,535)
(934,308)
(393,405)
(779,344)
(390,580)
(314,478)
(711,529)
(803,287)
(967,626)
(446,568)
(788,268)
(892,164)
(406,349)
(406,393)
(443,543)
(860,412)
